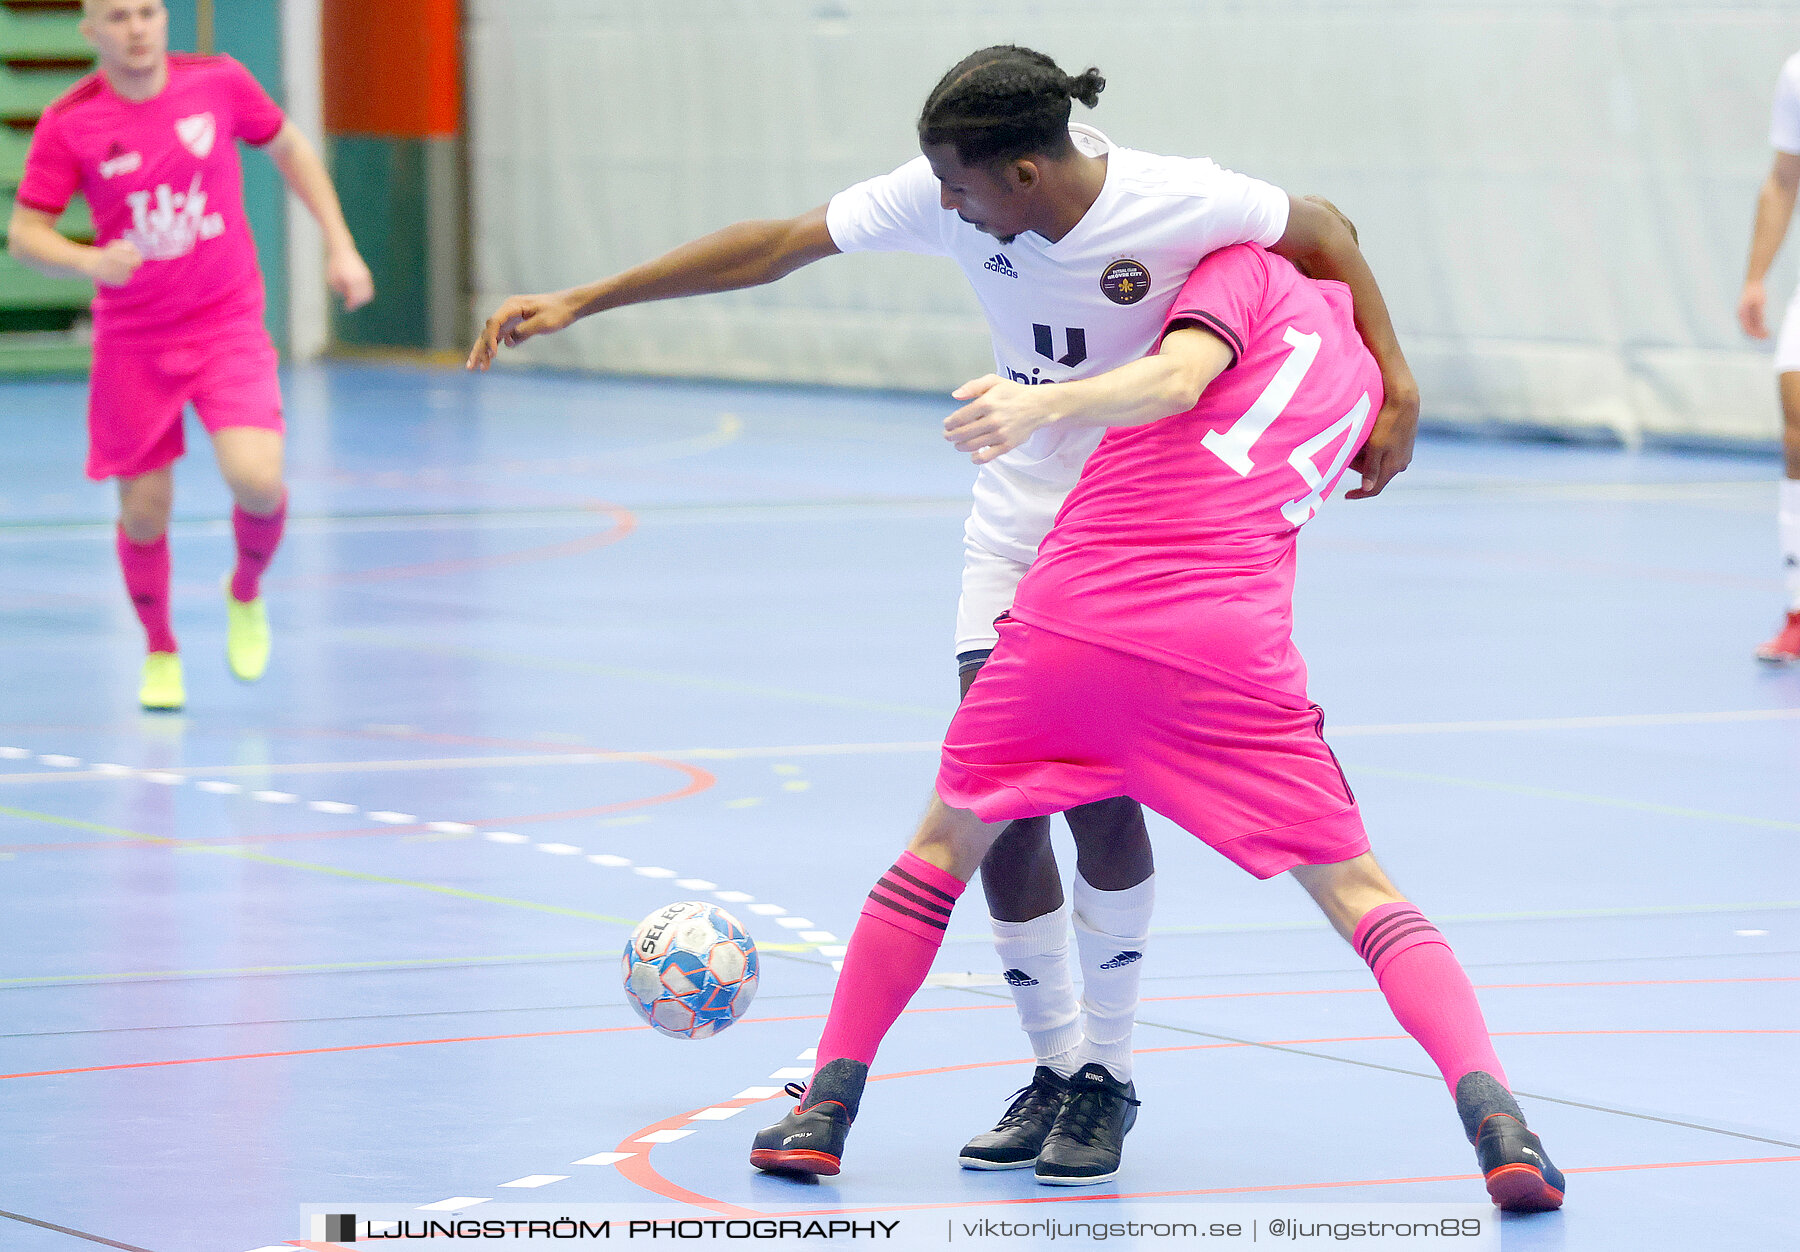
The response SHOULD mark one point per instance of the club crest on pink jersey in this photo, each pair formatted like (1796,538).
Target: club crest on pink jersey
(197,133)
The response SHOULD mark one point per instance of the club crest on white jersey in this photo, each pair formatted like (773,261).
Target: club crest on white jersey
(198,133)
(166,224)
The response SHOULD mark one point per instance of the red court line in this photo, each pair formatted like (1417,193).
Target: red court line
(349,1047)
(1268,1187)
(916,1073)
(1486,986)
(624,522)
(638,1169)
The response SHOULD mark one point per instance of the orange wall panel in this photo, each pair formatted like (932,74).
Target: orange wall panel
(392,68)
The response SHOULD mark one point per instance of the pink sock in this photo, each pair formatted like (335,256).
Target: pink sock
(898,935)
(1427,990)
(257,539)
(146,567)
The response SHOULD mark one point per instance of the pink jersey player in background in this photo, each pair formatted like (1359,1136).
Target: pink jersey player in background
(1148,653)
(151,141)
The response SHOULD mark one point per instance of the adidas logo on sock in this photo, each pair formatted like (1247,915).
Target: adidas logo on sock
(1019,978)
(1122,960)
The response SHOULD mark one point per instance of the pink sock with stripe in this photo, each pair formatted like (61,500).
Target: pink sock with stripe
(1426,988)
(146,568)
(257,538)
(896,939)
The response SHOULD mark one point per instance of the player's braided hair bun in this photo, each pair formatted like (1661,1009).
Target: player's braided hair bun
(1087,86)
(1005,102)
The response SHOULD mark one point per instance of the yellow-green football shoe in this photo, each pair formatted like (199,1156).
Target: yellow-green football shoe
(246,636)
(162,691)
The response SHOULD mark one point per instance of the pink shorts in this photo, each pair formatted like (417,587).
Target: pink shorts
(138,391)
(1054,722)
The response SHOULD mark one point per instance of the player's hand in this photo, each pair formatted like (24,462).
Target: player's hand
(348,275)
(1390,446)
(999,417)
(113,265)
(1753,307)
(517,320)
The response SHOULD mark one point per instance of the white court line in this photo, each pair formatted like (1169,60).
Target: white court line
(605,1158)
(714,1114)
(1601,722)
(536,1180)
(453,1203)
(666,1136)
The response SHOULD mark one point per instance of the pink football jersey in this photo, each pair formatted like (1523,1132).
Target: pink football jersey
(1178,542)
(162,173)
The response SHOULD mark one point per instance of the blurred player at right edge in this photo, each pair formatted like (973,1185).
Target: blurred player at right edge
(1774,209)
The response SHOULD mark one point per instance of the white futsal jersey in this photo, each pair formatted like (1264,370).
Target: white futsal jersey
(1090,302)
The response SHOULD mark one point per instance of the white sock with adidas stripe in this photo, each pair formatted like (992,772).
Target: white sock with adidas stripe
(1112,929)
(1034,959)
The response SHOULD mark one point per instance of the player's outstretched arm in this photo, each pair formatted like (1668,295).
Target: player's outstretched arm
(1321,242)
(32,238)
(747,254)
(304,173)
(1774,209)
(1001,414)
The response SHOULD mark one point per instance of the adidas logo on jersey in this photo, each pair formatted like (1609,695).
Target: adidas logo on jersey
(1122,960)
(120,162)
(1019,978)
(1000,265)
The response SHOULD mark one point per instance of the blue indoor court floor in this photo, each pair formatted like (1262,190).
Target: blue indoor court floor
(552,651)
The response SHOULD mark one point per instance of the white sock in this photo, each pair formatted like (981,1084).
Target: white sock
(1034,956)
(1112,929)
(1788,525)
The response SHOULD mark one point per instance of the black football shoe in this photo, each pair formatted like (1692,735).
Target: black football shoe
(810,1140)
(1085,1141)
(1520,1177)
(1018,1137)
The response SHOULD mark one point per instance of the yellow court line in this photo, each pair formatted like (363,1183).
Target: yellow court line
(261,858)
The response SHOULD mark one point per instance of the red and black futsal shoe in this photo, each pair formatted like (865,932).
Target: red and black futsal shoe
(810,1140)
(1519,1175)
(1520,1178)
(1784,648)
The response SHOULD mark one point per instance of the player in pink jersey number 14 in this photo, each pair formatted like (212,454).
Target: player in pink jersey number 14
(150,141)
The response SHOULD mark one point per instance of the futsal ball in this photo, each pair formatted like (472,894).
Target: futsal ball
(690,969)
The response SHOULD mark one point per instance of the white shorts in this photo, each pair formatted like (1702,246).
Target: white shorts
(1787,340)
(988,583)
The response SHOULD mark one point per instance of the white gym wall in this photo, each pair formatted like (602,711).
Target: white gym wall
(1556,197)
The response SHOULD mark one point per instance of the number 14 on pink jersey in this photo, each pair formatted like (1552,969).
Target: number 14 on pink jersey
(1234,444)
